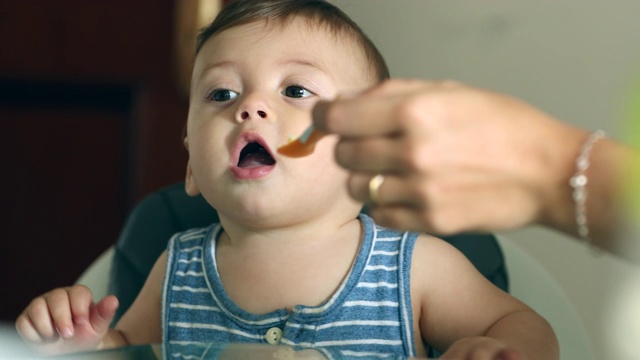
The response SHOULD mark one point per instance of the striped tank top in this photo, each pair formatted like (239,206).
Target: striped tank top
(369,314)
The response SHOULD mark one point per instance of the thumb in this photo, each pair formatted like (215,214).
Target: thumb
(102,313)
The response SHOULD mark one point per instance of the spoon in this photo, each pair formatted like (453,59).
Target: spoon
(303,145)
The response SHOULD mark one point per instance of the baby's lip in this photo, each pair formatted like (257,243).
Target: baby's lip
(251,157)
(243,140)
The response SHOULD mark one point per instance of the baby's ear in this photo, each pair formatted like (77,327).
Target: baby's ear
(190,185)
(185,141)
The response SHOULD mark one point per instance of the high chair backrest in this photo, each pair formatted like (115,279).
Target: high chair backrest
(170,210)
(535,286)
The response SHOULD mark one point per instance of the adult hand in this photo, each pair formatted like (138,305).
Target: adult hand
(454,158)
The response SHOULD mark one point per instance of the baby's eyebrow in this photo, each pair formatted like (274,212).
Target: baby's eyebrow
(219,64)
(305,63)
(207,69)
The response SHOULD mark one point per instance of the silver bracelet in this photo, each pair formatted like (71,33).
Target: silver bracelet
(579,182)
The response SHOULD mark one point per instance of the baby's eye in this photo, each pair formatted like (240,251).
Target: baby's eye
(222,95)
(296,91)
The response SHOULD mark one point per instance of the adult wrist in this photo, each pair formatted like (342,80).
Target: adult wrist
(579,182)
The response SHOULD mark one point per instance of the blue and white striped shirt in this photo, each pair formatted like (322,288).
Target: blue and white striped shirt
(369,314)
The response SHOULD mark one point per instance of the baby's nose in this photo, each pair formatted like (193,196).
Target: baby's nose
(245,114)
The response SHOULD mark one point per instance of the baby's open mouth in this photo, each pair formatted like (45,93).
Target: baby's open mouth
(253,155)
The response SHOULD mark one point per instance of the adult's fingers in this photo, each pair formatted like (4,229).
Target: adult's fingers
(369,114)
(394,190)
(398,204)
(372,154)
(403,202)
(379,110)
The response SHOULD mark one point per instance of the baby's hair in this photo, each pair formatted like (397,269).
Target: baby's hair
(317,12)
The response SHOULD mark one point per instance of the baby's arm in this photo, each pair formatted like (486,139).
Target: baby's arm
(67,320)
(141,324)
(463,313)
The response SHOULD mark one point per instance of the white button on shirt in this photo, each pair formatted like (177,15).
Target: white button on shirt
(273,336)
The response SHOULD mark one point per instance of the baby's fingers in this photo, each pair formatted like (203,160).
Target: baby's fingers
(80,303)
(480,348)
(35,324)
(102,314)
(27,329)
(510,354)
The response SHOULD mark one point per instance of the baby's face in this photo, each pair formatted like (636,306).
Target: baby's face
(253,88)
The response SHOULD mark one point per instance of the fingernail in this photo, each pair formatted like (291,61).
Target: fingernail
(80,320)
(66,332)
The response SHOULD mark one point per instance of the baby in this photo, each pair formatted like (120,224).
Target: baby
(291,262)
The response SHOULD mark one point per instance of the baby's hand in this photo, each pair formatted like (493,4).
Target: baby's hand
(66,320)
(482,348)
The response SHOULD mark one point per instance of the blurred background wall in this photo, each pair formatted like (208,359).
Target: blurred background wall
(92,107)
(578,60)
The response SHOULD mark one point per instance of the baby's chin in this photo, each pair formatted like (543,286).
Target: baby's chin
(275,218)
(259,212)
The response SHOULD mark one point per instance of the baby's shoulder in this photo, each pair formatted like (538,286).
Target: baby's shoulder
(432,255)
(426,244)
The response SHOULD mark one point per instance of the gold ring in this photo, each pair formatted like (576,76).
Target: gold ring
(374,188)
